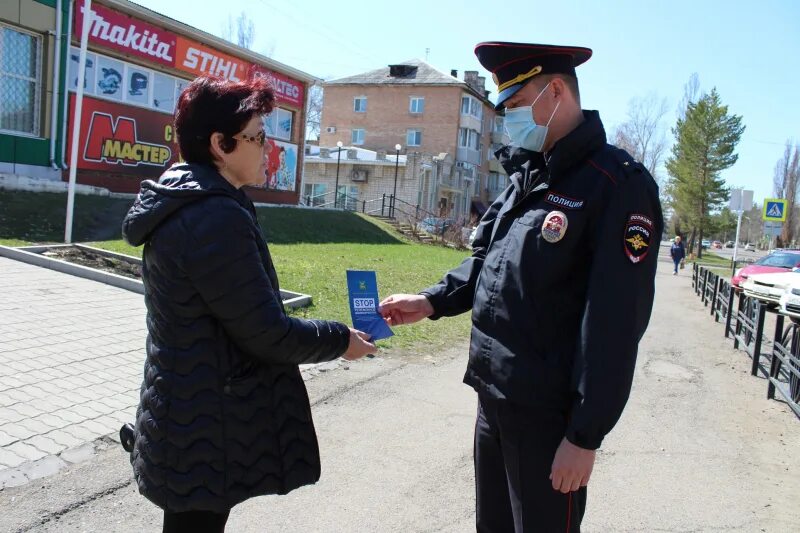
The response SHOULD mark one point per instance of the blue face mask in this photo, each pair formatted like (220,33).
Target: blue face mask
(523,130)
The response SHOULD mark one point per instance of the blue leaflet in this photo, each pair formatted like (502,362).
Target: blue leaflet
(362,286)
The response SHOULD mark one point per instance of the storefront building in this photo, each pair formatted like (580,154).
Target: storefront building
(137,64)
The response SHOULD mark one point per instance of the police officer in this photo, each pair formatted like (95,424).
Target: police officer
(560,284)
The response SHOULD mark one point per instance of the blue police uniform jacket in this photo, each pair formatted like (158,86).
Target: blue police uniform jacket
(561,281)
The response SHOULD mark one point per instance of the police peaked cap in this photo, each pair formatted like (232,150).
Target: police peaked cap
(513,64)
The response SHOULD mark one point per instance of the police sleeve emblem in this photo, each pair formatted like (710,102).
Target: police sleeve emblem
(638,237)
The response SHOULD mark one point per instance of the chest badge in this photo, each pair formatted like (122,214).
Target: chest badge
(554,226)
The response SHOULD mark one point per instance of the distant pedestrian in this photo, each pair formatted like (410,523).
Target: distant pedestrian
(678,253)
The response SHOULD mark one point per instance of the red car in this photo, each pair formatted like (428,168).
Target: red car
(778,261)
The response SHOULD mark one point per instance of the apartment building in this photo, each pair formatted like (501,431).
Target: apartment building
(432,114)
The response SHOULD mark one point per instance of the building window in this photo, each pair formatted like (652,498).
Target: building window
(347,197)
(20,83)
(468,138)
(314,193)
(357,137)
(417,105)
(413,137)
(278,124)
(471,106)
(499,124)
(360,104)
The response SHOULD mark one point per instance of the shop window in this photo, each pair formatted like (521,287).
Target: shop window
(89,81)
(163,93)
(110,74)
(20,80)
(137,85)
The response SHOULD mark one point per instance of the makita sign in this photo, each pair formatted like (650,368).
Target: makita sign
(127,34)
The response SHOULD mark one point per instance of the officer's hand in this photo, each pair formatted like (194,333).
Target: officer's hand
(359,345)
(572,467)
(399,309)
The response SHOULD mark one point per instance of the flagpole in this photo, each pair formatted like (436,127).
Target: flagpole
(76,119)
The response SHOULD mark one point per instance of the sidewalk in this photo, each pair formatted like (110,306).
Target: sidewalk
(699,448)
(71,360)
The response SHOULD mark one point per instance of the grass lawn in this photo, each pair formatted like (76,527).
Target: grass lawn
(319,270)
(711,259)
(311,250)
(39,217)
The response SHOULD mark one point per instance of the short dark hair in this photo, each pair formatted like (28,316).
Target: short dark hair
(211,104)
(570,81)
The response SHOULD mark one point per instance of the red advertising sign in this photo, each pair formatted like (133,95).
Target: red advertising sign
(287,90)
(124,139)
(198,59)
(127,34)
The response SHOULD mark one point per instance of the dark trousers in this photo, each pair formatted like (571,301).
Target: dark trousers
(514,451)
(677,264)
(195,522)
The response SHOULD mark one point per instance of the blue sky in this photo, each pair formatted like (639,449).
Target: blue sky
(747,50)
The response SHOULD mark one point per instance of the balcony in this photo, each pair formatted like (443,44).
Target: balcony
(468,155)
(470,122)
(500,137)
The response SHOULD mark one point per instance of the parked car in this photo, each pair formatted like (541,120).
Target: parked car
(706,243)
(749,247)
(717,245)
(769,288)
(729,244)
(775,262)
(790,301)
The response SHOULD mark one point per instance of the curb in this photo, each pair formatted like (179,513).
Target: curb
(32,256)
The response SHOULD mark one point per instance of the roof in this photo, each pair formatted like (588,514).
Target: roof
(208,39)
(363,156)
(424,74)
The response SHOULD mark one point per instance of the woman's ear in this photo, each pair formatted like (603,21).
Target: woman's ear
(215,144)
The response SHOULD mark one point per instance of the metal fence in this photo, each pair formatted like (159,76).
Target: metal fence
(744,319)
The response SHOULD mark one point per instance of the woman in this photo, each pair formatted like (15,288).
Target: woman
(678,253)
(223,415)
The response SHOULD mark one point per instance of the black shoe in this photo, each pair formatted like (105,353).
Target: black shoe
(126,437)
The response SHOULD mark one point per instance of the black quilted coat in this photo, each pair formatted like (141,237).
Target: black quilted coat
(224,414)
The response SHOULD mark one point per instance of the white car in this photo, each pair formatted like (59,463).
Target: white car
(790,301)
(769,288)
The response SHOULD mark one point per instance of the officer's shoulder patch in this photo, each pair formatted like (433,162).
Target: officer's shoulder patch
(638,237)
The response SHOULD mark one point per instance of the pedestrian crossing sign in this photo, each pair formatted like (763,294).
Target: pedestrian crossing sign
(774,210)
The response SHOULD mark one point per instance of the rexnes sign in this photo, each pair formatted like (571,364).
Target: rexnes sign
(287,90)
(127,34)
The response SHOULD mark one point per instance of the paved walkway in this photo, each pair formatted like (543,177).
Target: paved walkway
(71,353)
(71,356)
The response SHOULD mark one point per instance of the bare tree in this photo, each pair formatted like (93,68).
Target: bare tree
(314,112)
(643,135)
(787,186)
(691,91)
(243,29)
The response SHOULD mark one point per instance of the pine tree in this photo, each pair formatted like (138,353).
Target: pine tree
(705,144)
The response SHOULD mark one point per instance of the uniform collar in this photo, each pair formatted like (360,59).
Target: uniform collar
(577,145)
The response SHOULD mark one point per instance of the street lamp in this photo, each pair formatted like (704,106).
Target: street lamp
(336,187)
(396,164)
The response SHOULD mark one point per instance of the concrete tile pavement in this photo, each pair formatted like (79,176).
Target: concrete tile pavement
(71,353)
(71,356)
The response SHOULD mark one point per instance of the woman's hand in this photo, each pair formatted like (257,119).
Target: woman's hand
(359,346)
